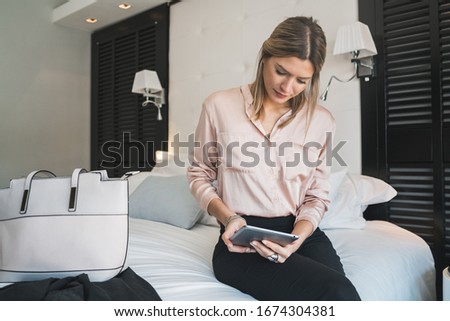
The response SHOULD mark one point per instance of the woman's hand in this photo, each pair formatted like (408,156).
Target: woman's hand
(233,224)
(278,253)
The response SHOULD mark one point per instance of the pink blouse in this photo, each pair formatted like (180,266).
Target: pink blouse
(286,174)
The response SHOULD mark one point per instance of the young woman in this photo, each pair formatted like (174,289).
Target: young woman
(261,160)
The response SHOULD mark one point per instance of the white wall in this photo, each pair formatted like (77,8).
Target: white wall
(214,45)
(44,91)
(45,74)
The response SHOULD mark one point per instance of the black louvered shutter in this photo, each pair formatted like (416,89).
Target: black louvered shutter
(444,37)
(408,109)
(409,115)
(125,135)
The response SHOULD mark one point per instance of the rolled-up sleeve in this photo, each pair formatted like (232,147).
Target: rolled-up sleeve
(203,170)
(316,200)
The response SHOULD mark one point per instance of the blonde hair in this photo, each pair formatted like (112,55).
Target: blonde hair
(299,37)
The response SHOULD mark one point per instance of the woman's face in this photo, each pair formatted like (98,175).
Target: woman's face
(285,78)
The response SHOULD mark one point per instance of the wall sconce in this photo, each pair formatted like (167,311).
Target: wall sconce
(146,82)
(356,40)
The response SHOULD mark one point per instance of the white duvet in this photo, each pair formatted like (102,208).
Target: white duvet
(383,261)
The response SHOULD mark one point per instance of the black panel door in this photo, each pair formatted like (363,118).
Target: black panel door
(124,135)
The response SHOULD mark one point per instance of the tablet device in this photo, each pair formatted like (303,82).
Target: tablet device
(249,233)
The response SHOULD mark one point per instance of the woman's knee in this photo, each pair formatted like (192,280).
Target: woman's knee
(341,289)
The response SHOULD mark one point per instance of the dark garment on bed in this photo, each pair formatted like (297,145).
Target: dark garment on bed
(313,273)
(126,286)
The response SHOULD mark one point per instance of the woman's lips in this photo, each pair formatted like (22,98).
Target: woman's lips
(280,95)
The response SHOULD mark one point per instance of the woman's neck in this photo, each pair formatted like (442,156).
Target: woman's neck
(270,108)
(270,114)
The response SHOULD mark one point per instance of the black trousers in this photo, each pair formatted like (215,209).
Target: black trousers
(313,273)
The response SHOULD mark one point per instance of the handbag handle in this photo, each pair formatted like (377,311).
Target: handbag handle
(74,188)
(74,185)
(26,190)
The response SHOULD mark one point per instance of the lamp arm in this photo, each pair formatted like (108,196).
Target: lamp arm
(343,80)
(149,101)
(157,102)
(364,62)
(325,92)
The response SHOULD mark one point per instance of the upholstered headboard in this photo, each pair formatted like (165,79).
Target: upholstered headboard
(214,45)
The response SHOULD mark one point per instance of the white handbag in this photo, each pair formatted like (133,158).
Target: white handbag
(63,226)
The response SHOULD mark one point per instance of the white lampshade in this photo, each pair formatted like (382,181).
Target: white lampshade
(146,81)
(355,37)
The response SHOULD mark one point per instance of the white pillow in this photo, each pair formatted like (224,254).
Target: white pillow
(336,179)
(372,190)
(350,194)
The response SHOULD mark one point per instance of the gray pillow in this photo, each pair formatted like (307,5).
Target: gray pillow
(165,199)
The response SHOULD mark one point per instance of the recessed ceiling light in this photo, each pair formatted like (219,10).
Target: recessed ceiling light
(124,6)
(91,20)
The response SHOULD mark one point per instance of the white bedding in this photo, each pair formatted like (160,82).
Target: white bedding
(386,262)
(383,261)
(177,262)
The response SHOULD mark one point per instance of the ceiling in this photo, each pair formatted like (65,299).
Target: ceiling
(73,13)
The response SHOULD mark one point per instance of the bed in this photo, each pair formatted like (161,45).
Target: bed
(171,242)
